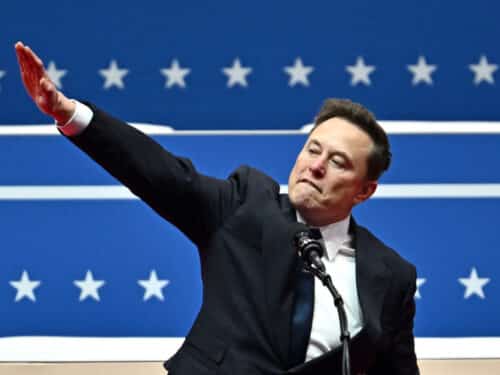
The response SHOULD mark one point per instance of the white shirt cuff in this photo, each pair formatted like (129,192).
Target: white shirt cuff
(78,122)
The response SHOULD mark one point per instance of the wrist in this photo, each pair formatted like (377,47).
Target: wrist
(64,109)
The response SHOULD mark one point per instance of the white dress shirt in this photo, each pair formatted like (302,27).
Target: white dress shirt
(78,122)
(339,261)
(340,264)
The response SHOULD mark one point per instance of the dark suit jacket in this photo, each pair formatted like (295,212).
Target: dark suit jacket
(243,229)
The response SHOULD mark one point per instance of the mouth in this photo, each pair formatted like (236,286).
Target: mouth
(303,180)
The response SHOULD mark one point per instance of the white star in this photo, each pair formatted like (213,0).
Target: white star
(298,73)
(237,74)
(420,282)
(175,75)
(474,284)
(25,287)
(55,74)
(421,71)
(113,75)
(153,286)
(483,71)
(360,72)
(89,286)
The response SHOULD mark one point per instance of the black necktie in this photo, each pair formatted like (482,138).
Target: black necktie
(303,311)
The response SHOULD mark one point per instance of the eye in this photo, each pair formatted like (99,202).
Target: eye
(338,161)
(315,150)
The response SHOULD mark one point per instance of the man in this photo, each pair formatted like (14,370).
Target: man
(243,228)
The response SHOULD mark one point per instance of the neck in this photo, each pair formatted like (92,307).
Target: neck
(315,220)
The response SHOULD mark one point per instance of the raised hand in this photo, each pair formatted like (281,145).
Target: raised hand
(42,90)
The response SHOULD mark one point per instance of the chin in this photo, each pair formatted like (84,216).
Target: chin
(301,194)
(303,202)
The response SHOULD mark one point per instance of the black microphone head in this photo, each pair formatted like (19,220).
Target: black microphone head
(306,242)
(300,240)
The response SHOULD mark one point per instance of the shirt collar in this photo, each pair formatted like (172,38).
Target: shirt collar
(335,235)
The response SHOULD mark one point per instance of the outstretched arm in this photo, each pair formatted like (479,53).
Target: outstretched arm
(40,88)
(195,203)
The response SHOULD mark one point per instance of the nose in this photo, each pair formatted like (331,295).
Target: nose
(318,167)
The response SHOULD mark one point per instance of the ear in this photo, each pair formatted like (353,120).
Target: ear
(366,191)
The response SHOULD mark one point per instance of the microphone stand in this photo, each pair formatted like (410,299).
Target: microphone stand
(339,303)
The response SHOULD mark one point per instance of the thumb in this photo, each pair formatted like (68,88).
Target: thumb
(47,86)
(47,96)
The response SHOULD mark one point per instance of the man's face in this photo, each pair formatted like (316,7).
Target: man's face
(329,175)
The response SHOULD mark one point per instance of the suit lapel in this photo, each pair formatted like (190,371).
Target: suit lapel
(280,262)
(372,278)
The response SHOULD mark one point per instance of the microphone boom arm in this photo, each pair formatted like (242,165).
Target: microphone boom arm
(311,249)
(345,336)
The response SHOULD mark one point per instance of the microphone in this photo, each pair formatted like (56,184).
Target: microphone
(310,248)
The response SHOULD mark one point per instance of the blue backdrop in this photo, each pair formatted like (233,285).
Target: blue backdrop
(412,60)
(122,241)
(145,37)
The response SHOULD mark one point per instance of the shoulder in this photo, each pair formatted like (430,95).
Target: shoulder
(250,174)
(401,268)
(251,182)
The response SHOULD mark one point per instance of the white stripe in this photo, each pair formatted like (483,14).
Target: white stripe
(112,192)
(434,127)
(411,191)
(16,130)
(83,349)
(116,192)
(438,191)
(441,127)
(457,347)
(391,127)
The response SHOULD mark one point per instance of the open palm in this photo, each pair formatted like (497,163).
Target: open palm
(39,86)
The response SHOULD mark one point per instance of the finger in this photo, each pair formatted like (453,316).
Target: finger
(33,70)
(28,69)
(26,58)
(24,67)
(38,60)
(18,47)
(23,59)
(20,61)
(34,63)
(30,78)
(20,55)
(34,59)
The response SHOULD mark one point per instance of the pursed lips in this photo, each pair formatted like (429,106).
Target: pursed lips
(309,182)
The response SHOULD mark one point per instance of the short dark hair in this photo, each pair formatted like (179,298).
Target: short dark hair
(380,158)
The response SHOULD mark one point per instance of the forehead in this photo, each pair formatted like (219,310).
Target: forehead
(337,133)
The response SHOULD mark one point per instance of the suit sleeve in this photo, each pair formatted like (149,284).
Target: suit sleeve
(194,203)
(400,358)
(403,359)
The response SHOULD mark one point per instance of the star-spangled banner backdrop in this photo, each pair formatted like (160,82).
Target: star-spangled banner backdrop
(110,267)
(145,274)
(226,64)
